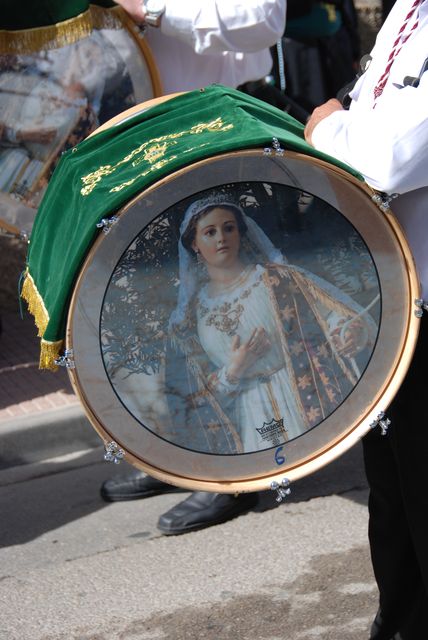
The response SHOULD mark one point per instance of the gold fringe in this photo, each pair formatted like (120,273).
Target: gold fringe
(49,352)
(35,304)
(25,41)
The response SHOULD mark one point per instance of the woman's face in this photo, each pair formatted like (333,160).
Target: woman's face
(217,238)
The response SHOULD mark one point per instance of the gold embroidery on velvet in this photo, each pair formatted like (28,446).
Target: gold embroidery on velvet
(152,154)
(198,146)
(154,167)
(152,150)
(93,178)
(214,125)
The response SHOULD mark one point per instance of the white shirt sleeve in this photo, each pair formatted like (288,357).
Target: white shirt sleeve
(214,26)
(386,144)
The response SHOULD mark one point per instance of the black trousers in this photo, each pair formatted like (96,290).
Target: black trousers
(397,472)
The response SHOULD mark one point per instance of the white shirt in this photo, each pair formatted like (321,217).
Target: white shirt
(201,42)
(388,144)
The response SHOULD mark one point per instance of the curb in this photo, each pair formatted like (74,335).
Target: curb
(34,438)
(51,466)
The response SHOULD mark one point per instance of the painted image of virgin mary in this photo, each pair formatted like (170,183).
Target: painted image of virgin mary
(259,351)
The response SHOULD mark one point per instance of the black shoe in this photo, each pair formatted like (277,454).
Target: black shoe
(134,486)
(202,509)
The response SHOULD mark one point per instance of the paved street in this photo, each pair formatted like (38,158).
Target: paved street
(76,568)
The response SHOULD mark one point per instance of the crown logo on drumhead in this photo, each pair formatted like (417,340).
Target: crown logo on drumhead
(155,153)
(273,431)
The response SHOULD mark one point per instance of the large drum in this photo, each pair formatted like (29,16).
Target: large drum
(52,95)
(247,315)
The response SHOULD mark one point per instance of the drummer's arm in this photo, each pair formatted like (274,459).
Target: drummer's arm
(386,144)
(215,26)
(318,115)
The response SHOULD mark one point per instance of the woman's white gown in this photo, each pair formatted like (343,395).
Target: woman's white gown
(264,396)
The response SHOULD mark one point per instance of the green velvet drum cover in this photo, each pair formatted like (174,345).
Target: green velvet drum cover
(96,178)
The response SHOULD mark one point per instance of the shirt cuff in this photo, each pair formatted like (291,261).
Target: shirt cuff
(324,134)
(179,18)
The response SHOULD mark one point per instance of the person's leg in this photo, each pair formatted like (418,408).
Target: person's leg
(398,506)
(395,564)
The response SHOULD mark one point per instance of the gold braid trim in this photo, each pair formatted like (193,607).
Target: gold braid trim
(54,36)
(311,292)
(307,285)
(284,344)
(49,351)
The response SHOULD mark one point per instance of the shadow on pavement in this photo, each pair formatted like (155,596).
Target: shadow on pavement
(31,508)
(34,507)
(344,476)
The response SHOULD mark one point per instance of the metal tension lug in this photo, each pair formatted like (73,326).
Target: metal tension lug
(66,360)
(275,150)
(106,223)
(422,306)
(113,453)
(383,200)
(282,489)
(382,421)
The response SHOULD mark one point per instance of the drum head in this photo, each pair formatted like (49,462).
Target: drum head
(245,320)
(51,100)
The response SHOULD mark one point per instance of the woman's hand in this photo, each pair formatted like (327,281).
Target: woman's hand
(246,354)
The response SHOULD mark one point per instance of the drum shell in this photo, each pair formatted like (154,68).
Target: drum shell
(398,326)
